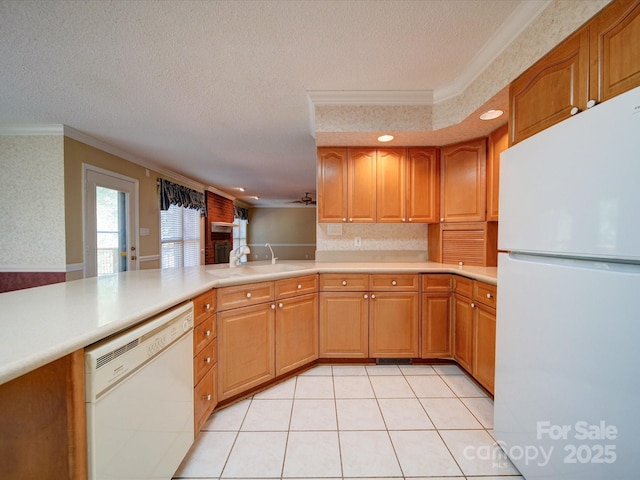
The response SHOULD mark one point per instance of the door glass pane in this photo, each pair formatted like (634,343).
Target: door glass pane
(111,232)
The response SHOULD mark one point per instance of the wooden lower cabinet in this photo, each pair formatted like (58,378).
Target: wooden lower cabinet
(246,348)
(393,325)
(344,325)
(484,355)
(436,336)
(205,357)
(463,331)
(296,332)
(42,422)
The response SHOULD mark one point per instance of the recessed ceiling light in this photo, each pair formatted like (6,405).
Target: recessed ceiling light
(255,197)
(240,189)
(491,114)
(385,138)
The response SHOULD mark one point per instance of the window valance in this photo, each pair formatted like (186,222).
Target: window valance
(174,194)
(240,212)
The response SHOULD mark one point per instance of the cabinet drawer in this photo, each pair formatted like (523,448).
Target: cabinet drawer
(203,306)
(437,282)
(392,282)
(204,398)
(244,295)
(485,293)
(292,287)
(204,361)
(463,286)
(334,282)
(204,333)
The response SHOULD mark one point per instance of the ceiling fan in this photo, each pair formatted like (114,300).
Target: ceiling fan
(307,200)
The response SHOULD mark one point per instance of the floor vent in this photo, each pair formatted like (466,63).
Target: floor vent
(393,361)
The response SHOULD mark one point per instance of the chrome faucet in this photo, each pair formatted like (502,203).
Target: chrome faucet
(273,259)
(236,255)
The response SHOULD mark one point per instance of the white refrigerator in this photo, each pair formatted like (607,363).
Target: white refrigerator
(567,386)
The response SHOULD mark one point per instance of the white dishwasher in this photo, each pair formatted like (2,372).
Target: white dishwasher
(139,399)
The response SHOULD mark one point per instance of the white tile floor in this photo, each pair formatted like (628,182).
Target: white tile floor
(342,422)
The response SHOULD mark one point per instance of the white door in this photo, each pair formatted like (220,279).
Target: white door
(111,218)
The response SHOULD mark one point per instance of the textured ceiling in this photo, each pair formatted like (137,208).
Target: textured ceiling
(217,90)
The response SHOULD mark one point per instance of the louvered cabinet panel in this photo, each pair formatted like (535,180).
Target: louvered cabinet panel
(472,243)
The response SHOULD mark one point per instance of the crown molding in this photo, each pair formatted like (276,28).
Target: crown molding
(31,129)
(517,23)
(220,192)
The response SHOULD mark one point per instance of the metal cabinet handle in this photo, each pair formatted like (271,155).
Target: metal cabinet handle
(366,296)
(273,306)
(404,219)
(410,219)
(373,296)
(489,295)
(591,103)
(207,306)
(281,305)
(299,286)
(394,283)
(248,294)
(473,305)
(344,283)
(344,219)
(207,397)
(207,333)
(574,111)
(207,360)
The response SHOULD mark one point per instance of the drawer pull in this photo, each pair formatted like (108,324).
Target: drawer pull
(273,306)
(299,286)
(344,283)
(207,397)
(394,283)
(207,306)
(207,360)
(489,295)
(207,333)
(373,296)
(281,305)
(248,294)
(366,296)
(473,305)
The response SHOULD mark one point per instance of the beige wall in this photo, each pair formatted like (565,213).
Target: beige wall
(77,153)
(32,199)
(290,231)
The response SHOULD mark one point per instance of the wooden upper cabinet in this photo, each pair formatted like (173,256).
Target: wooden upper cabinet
(332,185)
(498,141)
(422,185)
(463,182)
(615,50)
(546,93)
(361,192)
(391,174)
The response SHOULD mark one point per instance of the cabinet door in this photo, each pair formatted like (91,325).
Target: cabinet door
(344,327)
(484,343)
(498,142)
(436,312)
(463,332)
(332,185)
(545,94)
(615,50)
(390,185)
(422,185)
(296,332)
(361,192)
(245,348)
(463,183)
(394,325)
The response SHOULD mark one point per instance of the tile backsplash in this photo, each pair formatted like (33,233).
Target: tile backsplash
(372,237)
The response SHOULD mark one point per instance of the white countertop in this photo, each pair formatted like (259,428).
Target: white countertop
(39,325)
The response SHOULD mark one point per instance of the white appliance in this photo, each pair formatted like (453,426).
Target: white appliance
(139,399)
(567,387)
